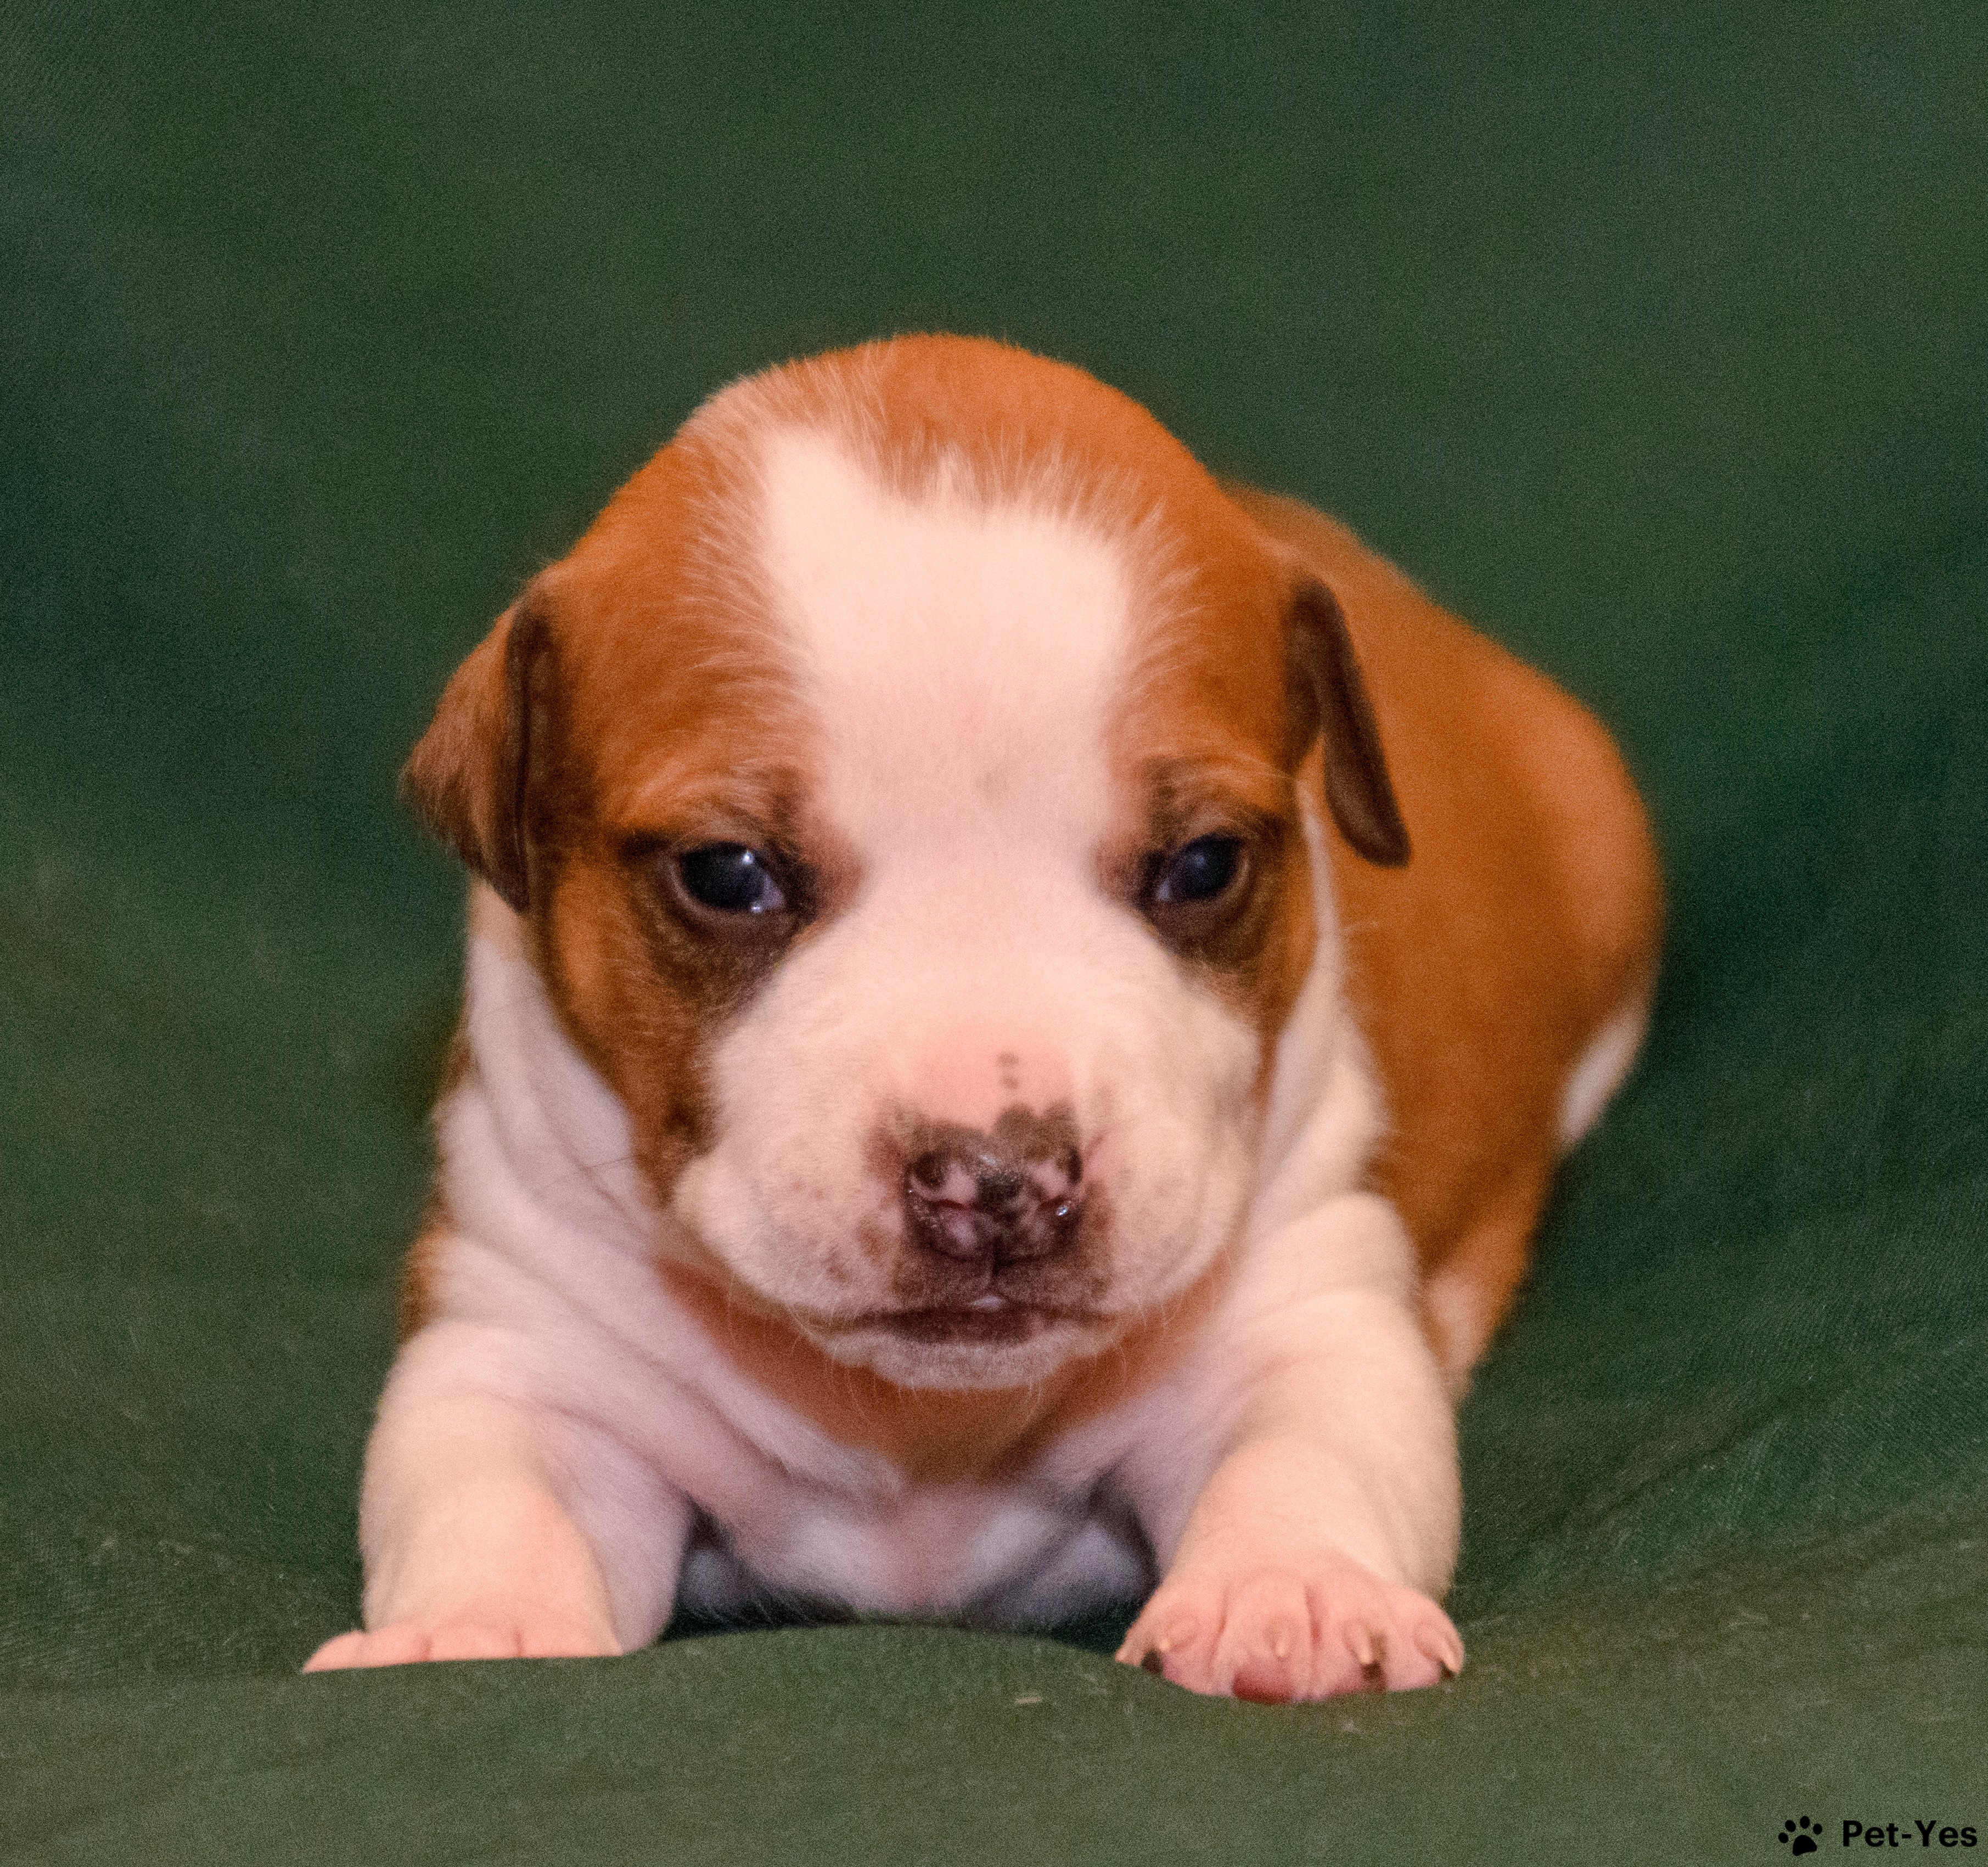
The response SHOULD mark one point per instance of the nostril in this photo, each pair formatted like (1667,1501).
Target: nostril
(951,1226)
(1043,1230)
(929,1170)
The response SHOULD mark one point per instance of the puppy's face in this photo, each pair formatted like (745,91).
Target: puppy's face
(900,781)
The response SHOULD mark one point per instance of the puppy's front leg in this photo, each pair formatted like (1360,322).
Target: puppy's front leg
(493,1528)
(1309,1559)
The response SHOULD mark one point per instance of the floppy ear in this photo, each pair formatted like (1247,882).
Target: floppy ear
(1329,696)
(466,779)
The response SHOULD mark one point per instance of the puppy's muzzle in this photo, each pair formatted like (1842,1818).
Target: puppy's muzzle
(991,1197)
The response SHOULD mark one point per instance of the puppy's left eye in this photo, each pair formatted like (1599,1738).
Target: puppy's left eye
(1201,870)
(729,878)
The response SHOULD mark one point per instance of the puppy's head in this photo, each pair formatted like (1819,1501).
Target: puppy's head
(902,783)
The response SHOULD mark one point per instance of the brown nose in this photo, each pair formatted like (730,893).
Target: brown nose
(999,1195)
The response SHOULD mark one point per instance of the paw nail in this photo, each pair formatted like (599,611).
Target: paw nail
(1444,1648)
(1282,1641)
(1360,1643)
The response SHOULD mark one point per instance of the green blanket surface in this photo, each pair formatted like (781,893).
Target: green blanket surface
(1656,345)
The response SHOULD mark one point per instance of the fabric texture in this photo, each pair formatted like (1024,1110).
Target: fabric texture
(1654,344)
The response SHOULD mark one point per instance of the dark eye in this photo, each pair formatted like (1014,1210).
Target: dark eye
(730,879)
(1199,870)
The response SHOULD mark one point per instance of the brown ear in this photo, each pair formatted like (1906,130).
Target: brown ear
(1329,696)
(466,778)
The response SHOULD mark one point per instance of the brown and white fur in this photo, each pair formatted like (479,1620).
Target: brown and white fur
(993,1217)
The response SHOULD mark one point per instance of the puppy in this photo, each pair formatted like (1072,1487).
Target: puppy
(1022,1005)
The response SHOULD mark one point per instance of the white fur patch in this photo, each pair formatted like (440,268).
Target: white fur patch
(962,658)
(1601,1070)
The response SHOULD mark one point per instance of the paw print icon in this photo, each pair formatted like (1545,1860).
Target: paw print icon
(1802,1833)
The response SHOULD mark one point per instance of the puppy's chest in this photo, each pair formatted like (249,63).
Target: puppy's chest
(889,1546)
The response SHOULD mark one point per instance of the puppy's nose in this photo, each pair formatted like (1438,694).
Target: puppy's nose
(999,1195)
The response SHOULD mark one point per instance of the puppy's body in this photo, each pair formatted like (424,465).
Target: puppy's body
(1502,977)
(945,1120)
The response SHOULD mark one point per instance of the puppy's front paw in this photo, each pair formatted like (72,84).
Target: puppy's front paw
(1279,1630)
(520,1634)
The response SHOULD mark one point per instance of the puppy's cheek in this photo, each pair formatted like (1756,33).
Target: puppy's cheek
(799,1235)
(1170,1226)
(1183,1156)
(787,1196)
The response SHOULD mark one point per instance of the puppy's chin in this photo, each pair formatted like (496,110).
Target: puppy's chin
(959,1349)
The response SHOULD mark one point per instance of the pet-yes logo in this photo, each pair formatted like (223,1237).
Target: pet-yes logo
(1800,1836)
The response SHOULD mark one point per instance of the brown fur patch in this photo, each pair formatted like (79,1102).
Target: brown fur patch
(414,1299)
(1530,913)
(660,718)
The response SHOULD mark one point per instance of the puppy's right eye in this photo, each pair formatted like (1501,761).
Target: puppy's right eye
(730,878)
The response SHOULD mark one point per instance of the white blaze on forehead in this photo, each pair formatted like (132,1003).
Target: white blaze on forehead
(960,656)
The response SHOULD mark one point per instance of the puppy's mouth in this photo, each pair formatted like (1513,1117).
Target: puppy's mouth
(990,1320)
(976,1338)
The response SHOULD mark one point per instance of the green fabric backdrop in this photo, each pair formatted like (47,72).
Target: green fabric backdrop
(1656,342)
